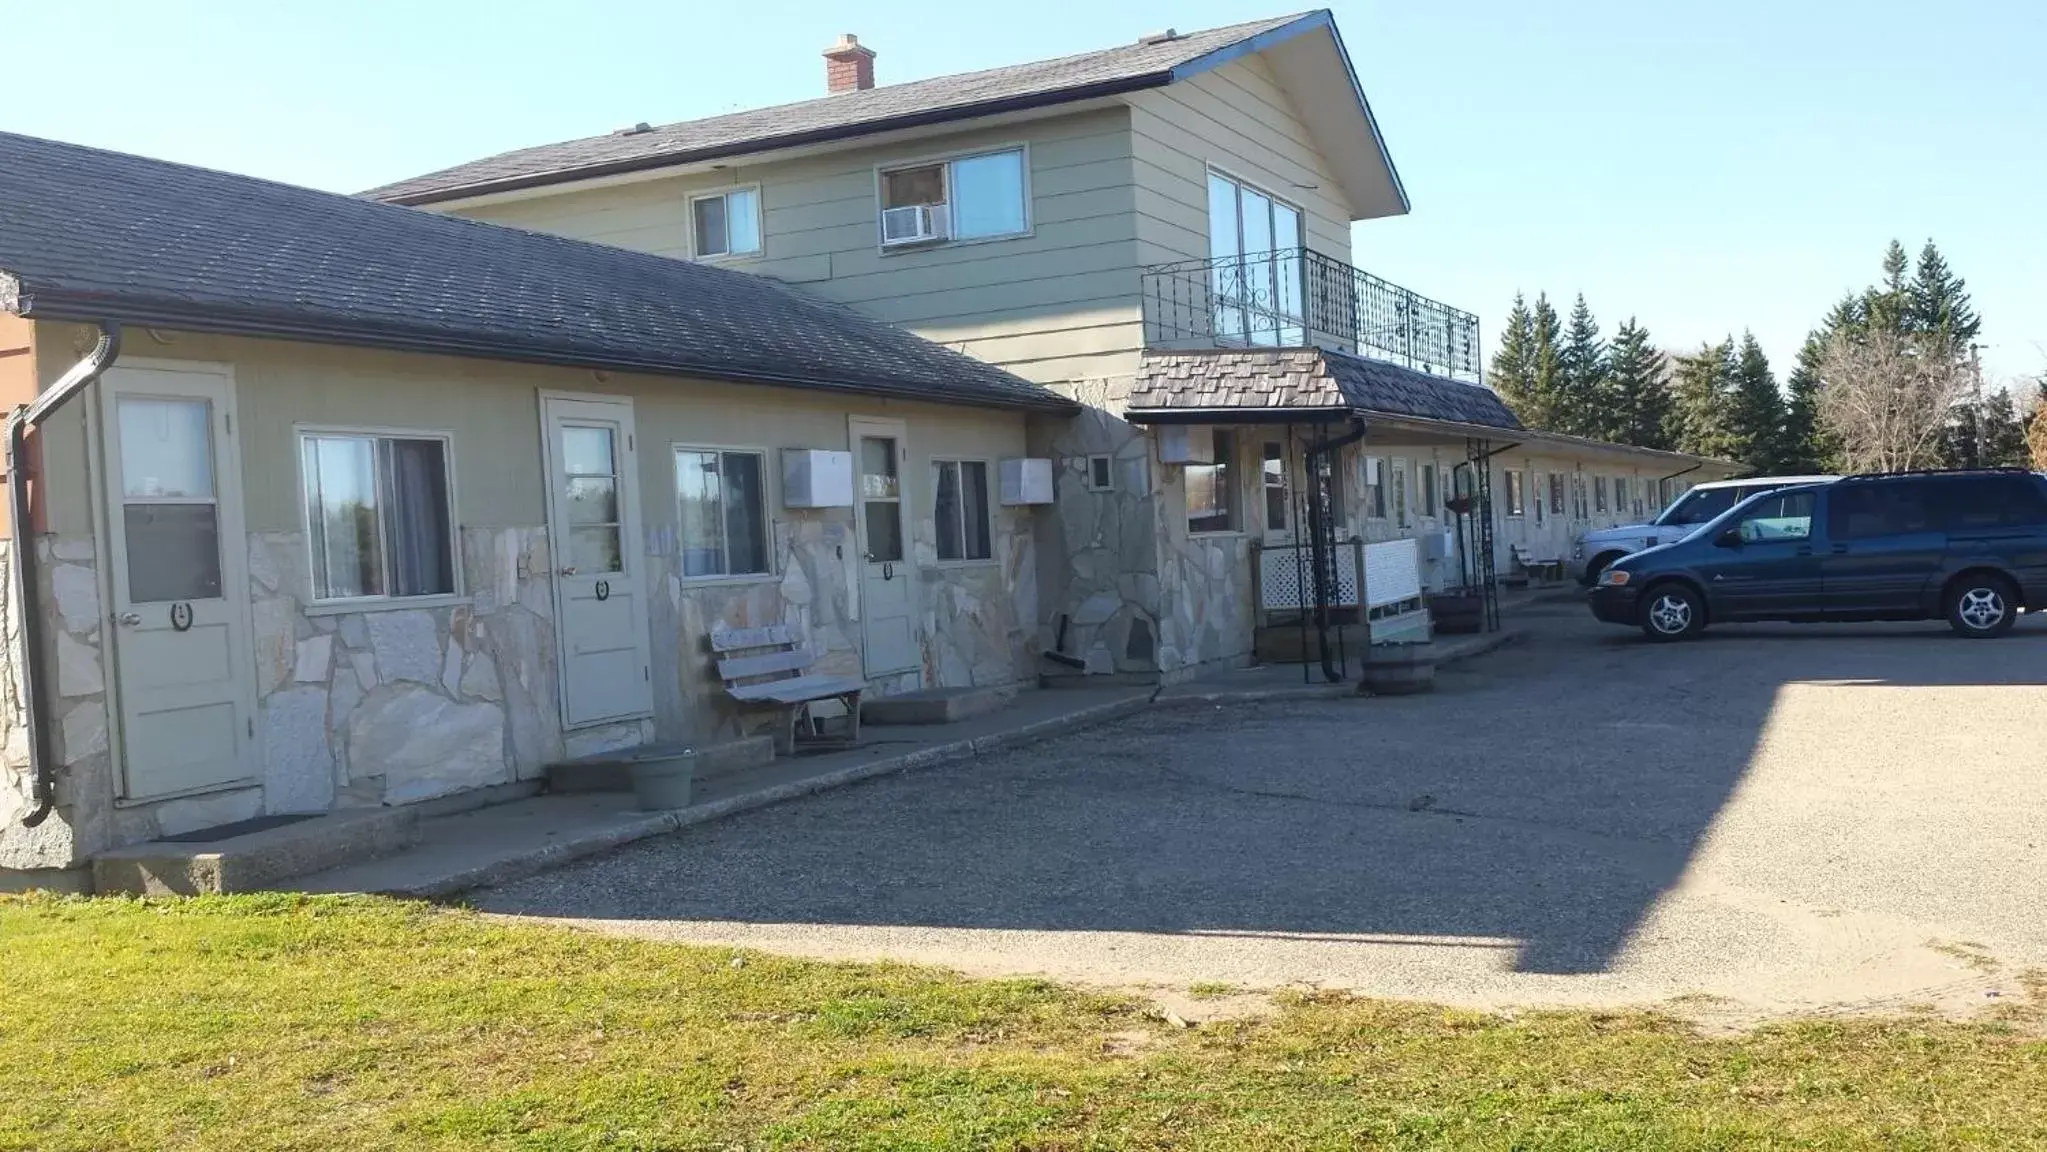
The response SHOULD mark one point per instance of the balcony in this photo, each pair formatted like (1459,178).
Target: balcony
(1298,297)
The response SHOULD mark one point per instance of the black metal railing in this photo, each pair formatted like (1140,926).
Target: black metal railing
(1294,297)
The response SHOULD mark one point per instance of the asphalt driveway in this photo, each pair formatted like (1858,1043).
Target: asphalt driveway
(1783,817)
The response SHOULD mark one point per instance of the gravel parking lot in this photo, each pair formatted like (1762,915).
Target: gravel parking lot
(1768,819)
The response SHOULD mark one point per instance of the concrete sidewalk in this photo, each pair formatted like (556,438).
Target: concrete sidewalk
(506,842)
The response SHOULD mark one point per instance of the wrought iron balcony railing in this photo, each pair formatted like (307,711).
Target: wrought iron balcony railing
(1294,297)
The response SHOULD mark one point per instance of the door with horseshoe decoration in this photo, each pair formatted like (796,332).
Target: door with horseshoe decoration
(178,608)
(889,640)
(593,525)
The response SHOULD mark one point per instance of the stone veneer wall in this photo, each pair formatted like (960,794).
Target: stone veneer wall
(75,686)
(975,625)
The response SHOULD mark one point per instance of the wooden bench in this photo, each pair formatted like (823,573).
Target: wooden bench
(765,668)
(1544,569)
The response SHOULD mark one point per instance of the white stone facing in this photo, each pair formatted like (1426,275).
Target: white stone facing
(451,669)
(276,642)
(84,731)
(480,680)
(365,666)
(407,644)
(78,668)
(425,745)
(77,592)
(603,738)
(73,548)
(314,655)
(298,764)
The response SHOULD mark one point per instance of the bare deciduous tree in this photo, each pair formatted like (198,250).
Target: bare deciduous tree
(1885,397)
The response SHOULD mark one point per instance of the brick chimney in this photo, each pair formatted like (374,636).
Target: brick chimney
(848,67)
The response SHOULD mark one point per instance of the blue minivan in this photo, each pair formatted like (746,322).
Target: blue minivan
(1969,547)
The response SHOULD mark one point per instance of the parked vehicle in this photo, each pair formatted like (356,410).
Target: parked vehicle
(1601,547)
(1969,547)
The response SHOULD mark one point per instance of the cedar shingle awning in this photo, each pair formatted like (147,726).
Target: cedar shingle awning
(1306,385)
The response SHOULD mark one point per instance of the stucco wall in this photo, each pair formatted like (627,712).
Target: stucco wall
(407,702)
(1058,303)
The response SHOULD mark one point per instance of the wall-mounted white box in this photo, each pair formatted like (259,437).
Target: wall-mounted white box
(1026,480)
(1438,545)
(817,478)
(1186,444)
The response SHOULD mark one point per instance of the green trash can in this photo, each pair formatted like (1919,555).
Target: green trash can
(663,779)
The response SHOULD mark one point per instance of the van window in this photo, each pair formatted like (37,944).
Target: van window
(1699,505)
(1991,502)
(1787,517)
(1894,508)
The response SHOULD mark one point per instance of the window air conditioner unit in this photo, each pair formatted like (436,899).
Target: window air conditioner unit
(915,224)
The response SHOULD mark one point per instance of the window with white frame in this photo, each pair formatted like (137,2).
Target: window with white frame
(960,509)
(1517,497)
(1427,489)
(1255,241)
(1212,489)
(1400,493)
(1272,476)
(1374,470)
(379,519)
(1579,507)
(1556,493)
(963,198)
(1101,473)
(727,223)
(721,512)
(1599,494)
(1620,494)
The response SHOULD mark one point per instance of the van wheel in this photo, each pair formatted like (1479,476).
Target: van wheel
(1981,605)
(1672,612)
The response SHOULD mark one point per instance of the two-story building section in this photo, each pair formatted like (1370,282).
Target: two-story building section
(1162,231)
(323,504)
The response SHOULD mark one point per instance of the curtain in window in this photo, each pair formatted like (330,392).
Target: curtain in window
(420,535)
(974,482)
(746,548)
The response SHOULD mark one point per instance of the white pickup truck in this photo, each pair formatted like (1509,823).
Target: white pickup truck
(1598,548)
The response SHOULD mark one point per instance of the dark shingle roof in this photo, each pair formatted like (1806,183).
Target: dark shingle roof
(1306,378)
(1121,69)
(93,235)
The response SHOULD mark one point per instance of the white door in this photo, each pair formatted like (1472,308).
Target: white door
(593,518)
(889,642)
(183,665)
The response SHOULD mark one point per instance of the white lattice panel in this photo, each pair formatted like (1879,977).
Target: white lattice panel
(1392,572)
(1286,577)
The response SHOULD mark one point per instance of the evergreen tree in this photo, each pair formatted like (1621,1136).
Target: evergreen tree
(1938,301)
(2003,443)
(1513,368)
(1754,420)
(1547,380)
(1889,305)
(1805,450)
(1637,389)
(1701,391)
(1584,403)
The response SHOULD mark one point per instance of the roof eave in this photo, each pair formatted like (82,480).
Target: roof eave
(1322,20)
(909,120)
(91,308)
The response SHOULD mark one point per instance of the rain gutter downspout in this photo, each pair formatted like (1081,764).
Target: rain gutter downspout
(41,757)
(1316,517)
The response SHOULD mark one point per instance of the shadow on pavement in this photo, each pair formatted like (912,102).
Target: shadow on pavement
(1542,800)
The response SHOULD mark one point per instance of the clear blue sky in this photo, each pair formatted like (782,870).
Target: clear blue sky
(1705,167)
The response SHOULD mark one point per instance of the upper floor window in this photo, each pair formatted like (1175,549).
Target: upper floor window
(964,198)
(727,223)
(1254,240)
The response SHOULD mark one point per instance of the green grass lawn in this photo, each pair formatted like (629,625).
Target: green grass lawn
(283,1022)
